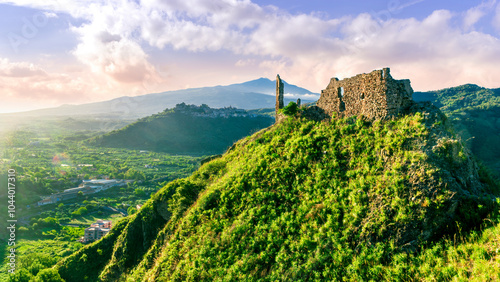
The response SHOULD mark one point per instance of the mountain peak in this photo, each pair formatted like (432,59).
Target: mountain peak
(267,86)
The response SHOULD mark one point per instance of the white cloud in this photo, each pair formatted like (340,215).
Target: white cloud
(244,63)
(25,86)
(444,49)
(496,19)
(474,14)
(50,15)
(199,25)
(108,45)
(23,81)
(310,97)
(19,69)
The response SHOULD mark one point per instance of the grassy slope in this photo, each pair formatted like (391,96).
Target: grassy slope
(342,200)
(48,251)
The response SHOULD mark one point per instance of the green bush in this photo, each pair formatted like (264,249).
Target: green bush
(22,275)
(48,275)
(80,211)
(131,210)
(291,109)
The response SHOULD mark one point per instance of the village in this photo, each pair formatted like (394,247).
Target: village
(205,111)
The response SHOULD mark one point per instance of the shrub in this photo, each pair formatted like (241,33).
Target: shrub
(291,109)
(131,210)
(48,275)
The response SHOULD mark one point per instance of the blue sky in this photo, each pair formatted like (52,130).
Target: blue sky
(71,52)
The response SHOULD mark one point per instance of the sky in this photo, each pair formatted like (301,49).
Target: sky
(56,52)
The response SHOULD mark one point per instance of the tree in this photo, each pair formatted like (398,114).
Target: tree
(51,222)
(23,230)
(80,211)
(139,192)
(291,109)
(48,275)
(134,174)
(23,275)
(131,210)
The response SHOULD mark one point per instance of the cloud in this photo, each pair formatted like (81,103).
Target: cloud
(50,15)
(496,19)
(122,59)
(25,82)
(433,52)
(245,62)
(117,39)
(310,97)
(25,86)
(473,15)
(19,69)
(107,45)
(197,25)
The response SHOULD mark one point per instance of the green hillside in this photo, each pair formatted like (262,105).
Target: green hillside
(186,129)
(475,113)
(345,200)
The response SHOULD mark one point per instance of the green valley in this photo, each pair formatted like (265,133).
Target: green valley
(49,157)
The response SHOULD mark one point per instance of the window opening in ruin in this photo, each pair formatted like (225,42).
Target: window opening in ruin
(342,106)
(341,95)
(362,96)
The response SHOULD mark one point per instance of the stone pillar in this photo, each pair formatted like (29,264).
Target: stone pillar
(386,73)
(298,102)
(279,93)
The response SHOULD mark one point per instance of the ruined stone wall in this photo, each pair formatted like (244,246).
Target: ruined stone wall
(279,93)
(375,95)
(399,96)
(280,90)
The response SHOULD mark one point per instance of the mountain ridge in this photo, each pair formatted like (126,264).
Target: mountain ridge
(240,95)
(186,129)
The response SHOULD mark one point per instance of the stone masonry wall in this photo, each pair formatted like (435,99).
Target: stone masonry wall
(279,93)
(280,90)
(375,95)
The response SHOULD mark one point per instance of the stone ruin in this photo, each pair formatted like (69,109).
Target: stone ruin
(279,93)
(375,95)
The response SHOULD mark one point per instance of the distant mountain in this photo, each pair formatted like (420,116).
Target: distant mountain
(186,129)
(475,114)
(266,86)
(253,94)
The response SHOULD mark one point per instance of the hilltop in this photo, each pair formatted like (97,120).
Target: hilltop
(346,199)
(186,129)
(474,112)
